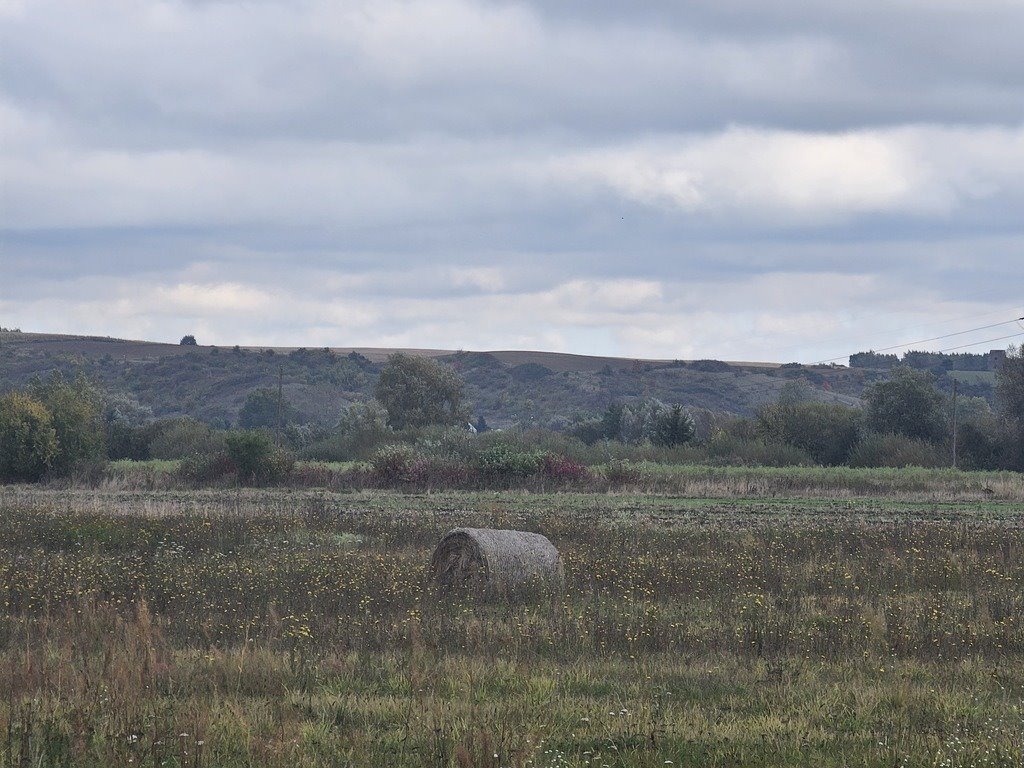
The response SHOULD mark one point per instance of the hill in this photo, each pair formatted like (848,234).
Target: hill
(506,387)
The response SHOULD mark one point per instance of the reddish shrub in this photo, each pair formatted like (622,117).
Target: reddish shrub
(563,470)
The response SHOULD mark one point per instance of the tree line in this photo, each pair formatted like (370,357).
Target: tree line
(58,427)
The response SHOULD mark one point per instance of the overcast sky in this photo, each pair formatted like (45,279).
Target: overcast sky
(738,179)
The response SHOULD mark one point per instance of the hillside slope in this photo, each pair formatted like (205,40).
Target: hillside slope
(505,387)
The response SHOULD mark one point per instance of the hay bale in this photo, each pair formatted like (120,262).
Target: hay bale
(493,561)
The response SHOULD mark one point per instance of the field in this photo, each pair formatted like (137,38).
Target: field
(295,628)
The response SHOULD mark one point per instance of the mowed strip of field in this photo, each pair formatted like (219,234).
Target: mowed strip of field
(295,627)
(688,480)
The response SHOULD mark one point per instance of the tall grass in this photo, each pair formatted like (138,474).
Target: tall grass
(231,628)
(647,477)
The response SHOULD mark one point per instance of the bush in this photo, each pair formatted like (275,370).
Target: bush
(129,441)
(360,432)
(825,431)
(391,464)
(503,463)
(203,469)
(438,472)
(443,441)
(622,472)
(257,458)
(180,438)
(729,450)
(563,470)
(892,450)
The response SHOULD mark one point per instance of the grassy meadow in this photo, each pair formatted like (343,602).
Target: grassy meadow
(690,480)
(292,627)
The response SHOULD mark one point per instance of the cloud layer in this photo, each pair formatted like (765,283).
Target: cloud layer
(728,179)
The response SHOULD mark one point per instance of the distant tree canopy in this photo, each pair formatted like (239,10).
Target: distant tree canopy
(188,341)
(925,361)
(645,420)
(419,391)
(362,427)
(53,426)
(674,426)
(77,412)
(908,404)
(827,432)
(1010,385)
(28,441)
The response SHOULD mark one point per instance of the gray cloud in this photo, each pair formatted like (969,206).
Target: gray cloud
(723,178)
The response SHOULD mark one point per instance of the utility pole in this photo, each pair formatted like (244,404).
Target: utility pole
(281,401)
(954,423)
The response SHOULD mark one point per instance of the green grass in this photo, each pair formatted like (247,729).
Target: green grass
(151,466)
(908,483)
(281,627)
(974,377)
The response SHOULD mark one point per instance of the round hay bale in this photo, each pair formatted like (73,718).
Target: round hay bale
(494,561)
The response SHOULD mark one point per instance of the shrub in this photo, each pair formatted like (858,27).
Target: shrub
(179,438)
(360,432)
(563,470)
(892,450)
(725,449)
(826,431)
(313,475)
(504,463)
(129,441)
(203,469)
(391,464)
(257,458)
(438,472)
(622,472)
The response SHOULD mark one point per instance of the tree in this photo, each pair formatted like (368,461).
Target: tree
(675,426)
(188,340)
(907,404)
(611,421)
(418,391)
(77,413)
(1010,385)
(28,441)
(362,428)
(261,410)
(1010,397)
(826,431)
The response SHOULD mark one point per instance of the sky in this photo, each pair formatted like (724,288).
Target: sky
(730,179)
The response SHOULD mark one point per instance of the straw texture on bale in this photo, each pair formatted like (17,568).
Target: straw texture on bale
(493,561)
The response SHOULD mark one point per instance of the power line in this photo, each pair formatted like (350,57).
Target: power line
(937,325)
(935,338)
(986,341)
